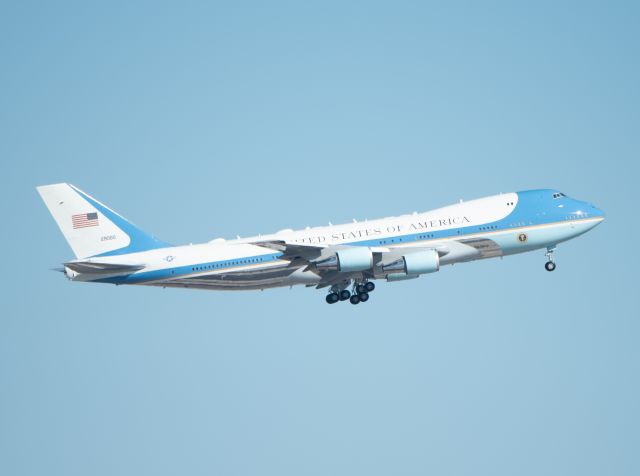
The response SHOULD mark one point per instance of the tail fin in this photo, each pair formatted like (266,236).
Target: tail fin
(91,228)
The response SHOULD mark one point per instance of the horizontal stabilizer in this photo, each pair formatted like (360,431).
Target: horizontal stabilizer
(89,267)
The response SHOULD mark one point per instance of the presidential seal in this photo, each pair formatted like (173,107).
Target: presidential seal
(522,237)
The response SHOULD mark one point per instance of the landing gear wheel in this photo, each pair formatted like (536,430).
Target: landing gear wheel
(360,289)
(354,299)
(344,294)
(369,286)
(550,265)
(364,297)
(332,298)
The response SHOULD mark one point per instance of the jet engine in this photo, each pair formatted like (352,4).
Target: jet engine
(415,263)
(348,260)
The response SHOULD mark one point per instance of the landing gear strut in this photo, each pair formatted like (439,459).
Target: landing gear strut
(550,265)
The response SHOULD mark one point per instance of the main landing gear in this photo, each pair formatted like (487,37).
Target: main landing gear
(360,293)
(550,265)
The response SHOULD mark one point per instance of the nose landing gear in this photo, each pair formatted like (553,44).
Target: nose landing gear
(550,265)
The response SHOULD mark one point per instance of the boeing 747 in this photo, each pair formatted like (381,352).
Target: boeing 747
(344,259)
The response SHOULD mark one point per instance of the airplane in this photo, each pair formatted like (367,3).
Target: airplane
(345,259)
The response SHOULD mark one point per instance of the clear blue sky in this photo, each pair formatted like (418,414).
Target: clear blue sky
(199,121)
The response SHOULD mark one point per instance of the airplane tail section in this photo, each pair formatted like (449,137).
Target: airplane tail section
(91,228)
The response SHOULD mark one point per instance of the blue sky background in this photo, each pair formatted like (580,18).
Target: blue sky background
(205,120)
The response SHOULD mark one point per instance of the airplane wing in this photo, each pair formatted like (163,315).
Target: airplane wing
(291,251)
(336,263)
(326,260)
(312,254)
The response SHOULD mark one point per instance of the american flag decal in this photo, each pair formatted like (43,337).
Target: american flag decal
(84,220)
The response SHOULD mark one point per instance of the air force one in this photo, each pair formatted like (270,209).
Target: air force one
(344,259)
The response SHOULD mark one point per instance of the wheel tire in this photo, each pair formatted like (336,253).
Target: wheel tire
(354,299)
(549,266)
(345,294)
(364,297)
(360,289)
(369,286)
(332,298)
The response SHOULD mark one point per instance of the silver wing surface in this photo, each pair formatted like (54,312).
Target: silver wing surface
(314,257)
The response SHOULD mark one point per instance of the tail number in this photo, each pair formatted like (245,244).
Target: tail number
(107,237)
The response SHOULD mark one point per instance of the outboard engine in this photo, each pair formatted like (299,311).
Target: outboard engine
(415,263)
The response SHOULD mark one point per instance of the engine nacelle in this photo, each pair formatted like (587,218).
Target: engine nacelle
(348,260)
(415,263)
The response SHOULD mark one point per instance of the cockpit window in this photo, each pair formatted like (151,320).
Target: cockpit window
(558,195)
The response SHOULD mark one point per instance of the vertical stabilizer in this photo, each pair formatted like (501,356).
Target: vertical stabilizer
(91,228)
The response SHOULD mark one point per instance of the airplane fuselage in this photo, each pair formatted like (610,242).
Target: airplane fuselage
(494,226)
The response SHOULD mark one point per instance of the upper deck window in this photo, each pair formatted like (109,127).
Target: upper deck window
(558,195)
